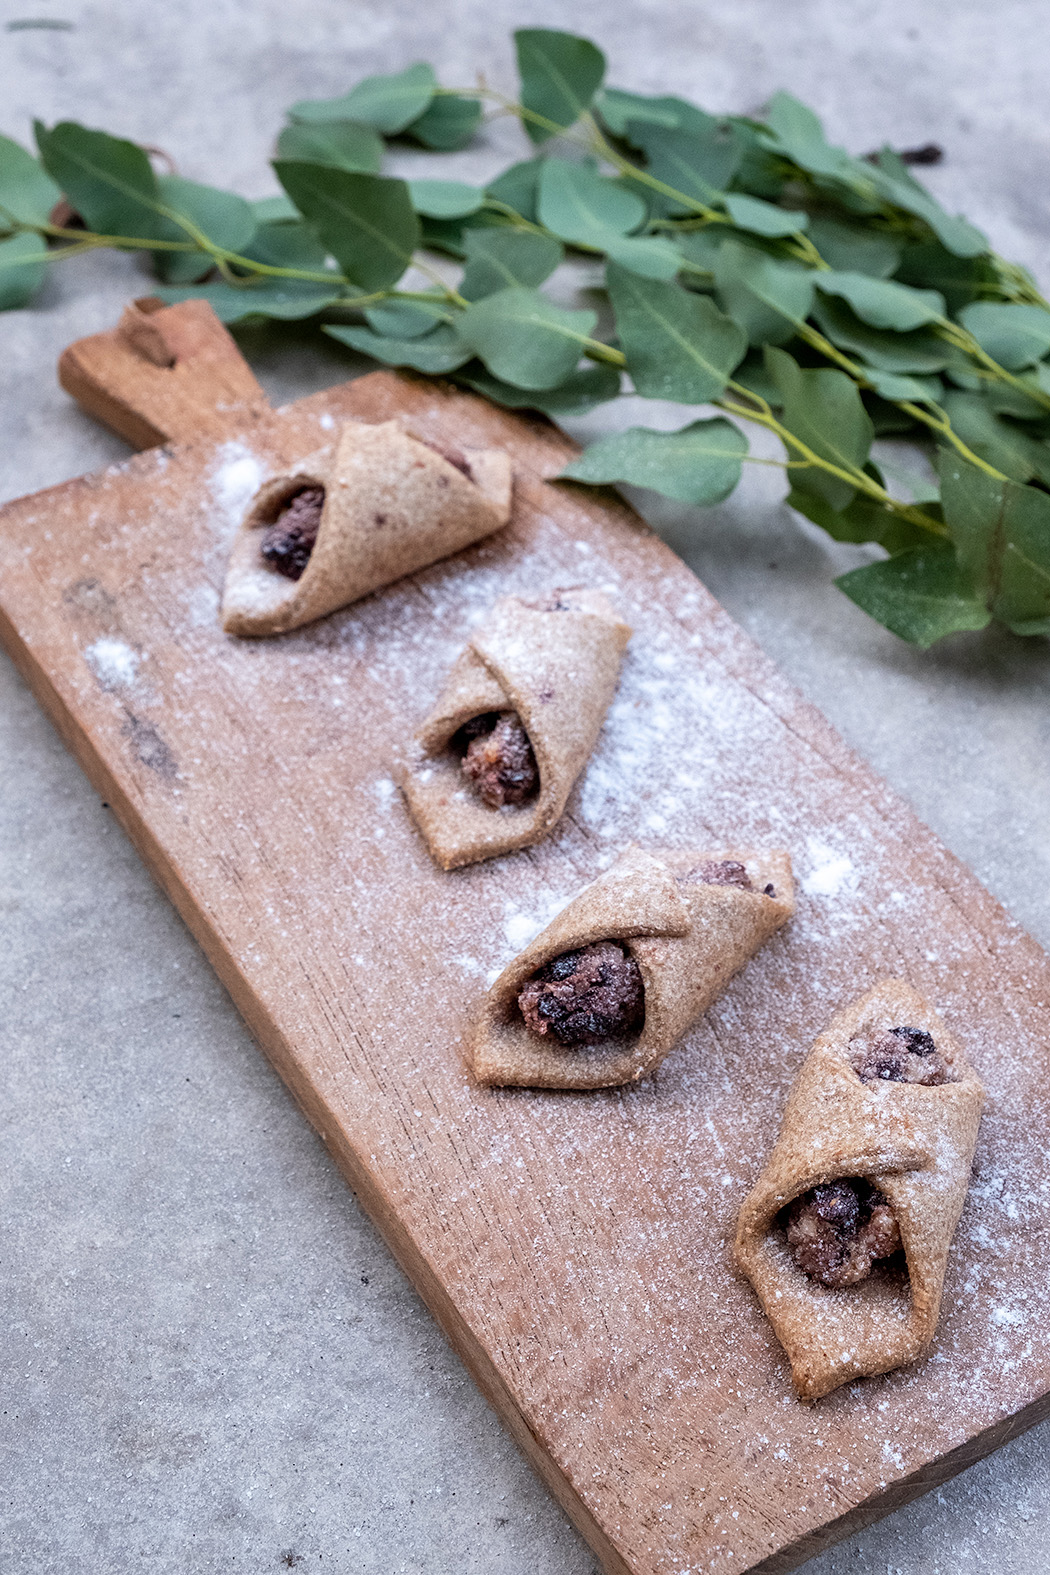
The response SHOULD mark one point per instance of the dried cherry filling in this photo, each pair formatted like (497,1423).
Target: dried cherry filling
(723,872)
(838,1230)
(900,1055)
(497,758)
(289,541)
(586,996)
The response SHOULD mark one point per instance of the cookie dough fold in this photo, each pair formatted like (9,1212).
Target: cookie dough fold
(914,1143)
(392,504)
(687,938)
(553,662)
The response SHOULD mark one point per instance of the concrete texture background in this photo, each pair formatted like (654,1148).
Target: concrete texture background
(208,1358)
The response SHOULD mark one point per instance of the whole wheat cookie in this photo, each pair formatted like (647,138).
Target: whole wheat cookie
(845,1236)
(495,761)
(609,987)
(375,505)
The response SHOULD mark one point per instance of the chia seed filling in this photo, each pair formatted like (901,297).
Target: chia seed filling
(840,1229)
(585,997)
(497,758)
(289,541)
(900,1055)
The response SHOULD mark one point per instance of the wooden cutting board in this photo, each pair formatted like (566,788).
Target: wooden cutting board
(573,1247)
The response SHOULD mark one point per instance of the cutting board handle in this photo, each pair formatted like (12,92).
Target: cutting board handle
(165,374)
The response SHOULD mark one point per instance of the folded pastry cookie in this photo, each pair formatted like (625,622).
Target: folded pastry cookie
(611,985)
(376,505)
(845,1237)
(520,712)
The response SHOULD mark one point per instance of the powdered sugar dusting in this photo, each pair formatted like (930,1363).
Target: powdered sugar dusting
(113,663)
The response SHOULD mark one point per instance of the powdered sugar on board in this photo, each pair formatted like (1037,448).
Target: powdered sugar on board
(583,1238)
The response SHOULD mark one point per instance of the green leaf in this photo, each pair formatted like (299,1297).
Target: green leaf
(366,221)
(894,386)
(1002,533)
(883,303)
(894,181)
(823,408)
(1014,335)
(448,124)
(442,350)
(445,199)
(23,263)
(618,108)
(768,299)
(223,217)
(406,319)
(107,180)
(287,246)
(921,595)
(560,74)
(651,256)
(699,464)
(933,267)
(920,352)
(285,299)
(519,188)
(582,206)
(990,438)
(497,259)
(799,133)
(698,163)
(581,391)
(525,339)
(340,142)
(390,104)
(855,249)
(679,346)
(764,218)
(862,520)
(275,210)
(27,193)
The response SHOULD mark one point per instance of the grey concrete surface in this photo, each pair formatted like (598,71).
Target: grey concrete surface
(208,1360)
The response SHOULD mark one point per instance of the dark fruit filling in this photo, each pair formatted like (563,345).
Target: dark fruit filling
(586,996)
(289,541)
(719,872)
(837,1231)
(498,761)
(899,1055)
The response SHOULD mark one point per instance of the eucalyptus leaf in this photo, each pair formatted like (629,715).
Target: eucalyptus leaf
(27,192)
(697,165)
(921,595)
(560,74)
(406,319)
(895,386)
(1014,335)
(222,216)
(991,438)
(920,352)
(883,303)
(275,210)
(864,519)
(108,180)
(497,259)
(445,199)
(894,181)
(651,256)
(440,351)
(581,391)
(23,263)
(448,123)
(763,218)
(854,249)
(931,266)
(387,103)
(284,245)
(617,108)
(678,346)
(769,299)
(524,339)
(580,205)
(519,188)
(823,408)
(700,463)
(798,131)
(1002,533)
(340,142)
(285,299)
(366,221)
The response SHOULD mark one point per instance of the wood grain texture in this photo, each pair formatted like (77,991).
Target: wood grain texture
(574,1247)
